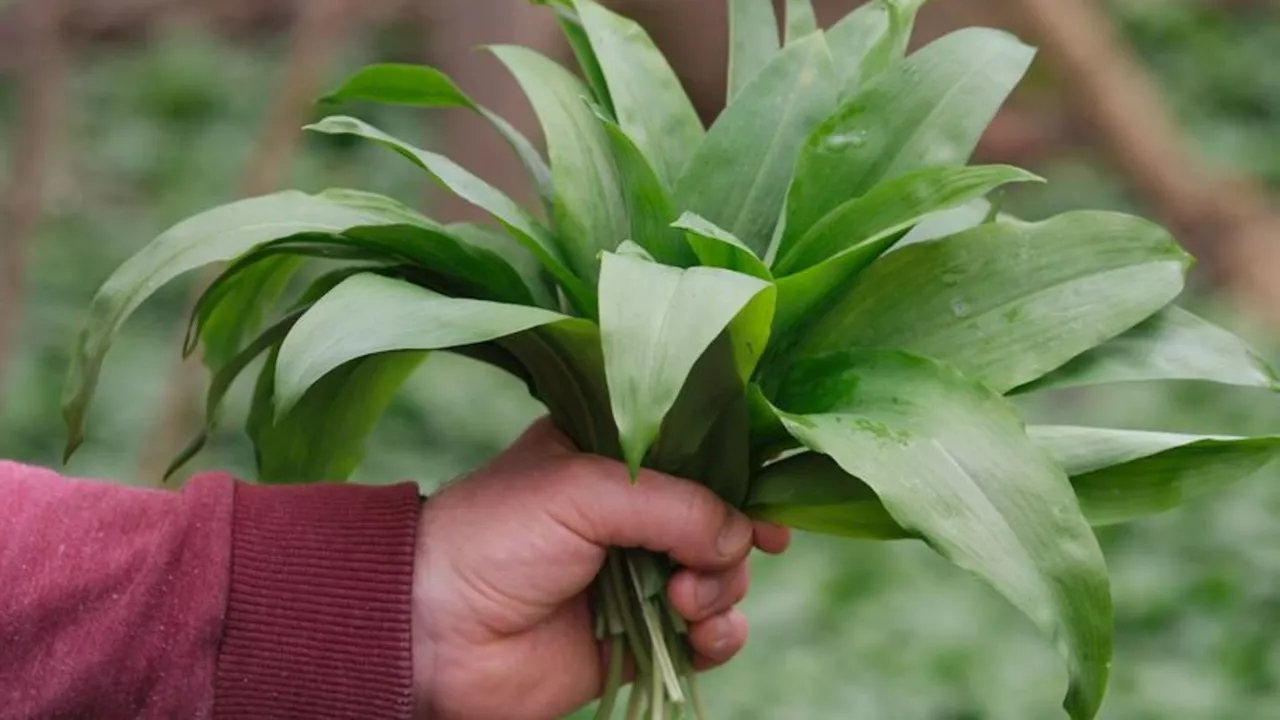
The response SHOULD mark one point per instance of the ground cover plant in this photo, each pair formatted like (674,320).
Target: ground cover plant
(808,307)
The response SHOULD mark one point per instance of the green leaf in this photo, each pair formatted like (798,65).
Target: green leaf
(869,40)
(1170,345)
(929,110)
(977,490)
(649,206)
(213,236)
(590,213)
(739,176)
(811,492)
(801,22)
(1008,302)
(488,242)
(225,374)
(338,328)
(422,86)
(655,323)
(715,247)
(648,101)
(1122,475)
(802,295)
(948,222)
(891,207)
(753,41)
(243,304)
(322,438)
(471,188)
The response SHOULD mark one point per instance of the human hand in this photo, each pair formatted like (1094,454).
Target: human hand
(501,625)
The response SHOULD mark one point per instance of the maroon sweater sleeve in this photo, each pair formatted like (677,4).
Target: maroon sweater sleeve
(222,600)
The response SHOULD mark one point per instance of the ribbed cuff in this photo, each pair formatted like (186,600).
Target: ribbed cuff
(318,609)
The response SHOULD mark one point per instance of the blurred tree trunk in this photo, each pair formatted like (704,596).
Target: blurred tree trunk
(42,101)
(318,32)
(1228,221)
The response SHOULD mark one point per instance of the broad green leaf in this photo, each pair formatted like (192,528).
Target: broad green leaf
(649,206)
(702,434)
(369,314)
(803,295)
(753,41)
(951,462)
(892,207)
(422,86)
(1008,302)
(1122,475)
(1117,475)
(801,22)
(929,110)
(717,248)
(213,236)
(1173,344)
(471,188)
(243,304)
(226,373)
(649,102)
(867,41)
(738,178)
(656,321)
(322,438)
(576,35)
(590,213)
(811,492)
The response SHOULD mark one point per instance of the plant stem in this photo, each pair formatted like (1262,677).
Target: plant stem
(614,680)
(636,700)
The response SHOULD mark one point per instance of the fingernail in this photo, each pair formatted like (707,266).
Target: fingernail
(735,535)
(705,591)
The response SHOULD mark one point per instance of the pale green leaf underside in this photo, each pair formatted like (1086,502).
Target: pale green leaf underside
(655,323)
(1008,302)
(738,178)
(370,314)
(927,111)
(978,490)
(649,102)
(753,41)
(1171,345)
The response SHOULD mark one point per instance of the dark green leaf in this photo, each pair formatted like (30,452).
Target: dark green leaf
(368,314)
(739,176)
(322,438)
(422,86)
(590,213)
(214,236)
(951,462)
(753,41)
(1170,345)
(656,322)
(243,305)
(649,206)
(1122,475)
(715,247)
(927,111)
(801,22)
(648,101)
(891,207)
(1007,302)
(467,186)
(811,492)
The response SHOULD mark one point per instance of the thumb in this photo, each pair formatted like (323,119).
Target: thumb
(594,498)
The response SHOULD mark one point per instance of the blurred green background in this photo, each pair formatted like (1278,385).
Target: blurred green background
(160,122)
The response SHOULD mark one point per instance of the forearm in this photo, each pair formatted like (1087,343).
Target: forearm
(223,600)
